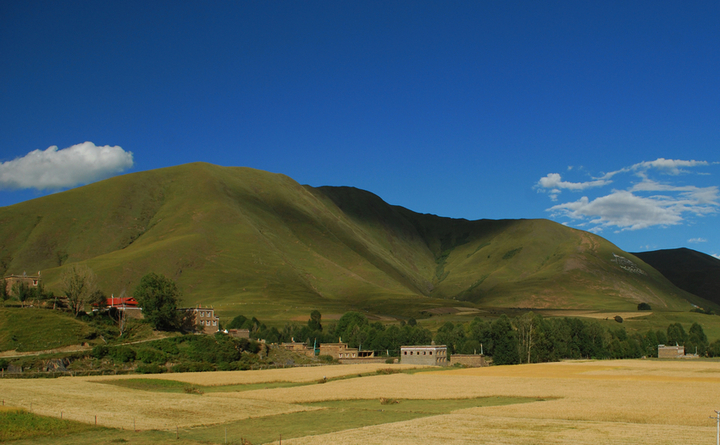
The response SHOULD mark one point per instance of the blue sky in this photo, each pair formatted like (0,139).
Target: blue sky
(604,116)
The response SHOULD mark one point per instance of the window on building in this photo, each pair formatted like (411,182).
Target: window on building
(430,352)
(214,322)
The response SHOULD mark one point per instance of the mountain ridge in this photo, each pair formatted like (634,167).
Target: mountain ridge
(241,238)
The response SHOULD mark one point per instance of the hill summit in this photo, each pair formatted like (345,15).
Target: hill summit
(252,241)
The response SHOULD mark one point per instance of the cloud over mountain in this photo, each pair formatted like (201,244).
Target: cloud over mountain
(56,169)
(644,203)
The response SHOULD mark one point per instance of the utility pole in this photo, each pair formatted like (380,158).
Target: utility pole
(717,421)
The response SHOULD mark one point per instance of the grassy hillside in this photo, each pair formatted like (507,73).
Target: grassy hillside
(248,241)
(30,329)
(692,271)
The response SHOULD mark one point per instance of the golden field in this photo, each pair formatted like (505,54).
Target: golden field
(623,401)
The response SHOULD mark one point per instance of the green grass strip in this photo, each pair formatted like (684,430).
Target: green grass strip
(20,424)
(335,416)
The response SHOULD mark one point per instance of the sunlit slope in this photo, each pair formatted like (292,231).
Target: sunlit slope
(237,236)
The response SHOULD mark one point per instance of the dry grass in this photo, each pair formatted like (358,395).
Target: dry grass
(298,375)
(653,401)
(624,401)
(597,315)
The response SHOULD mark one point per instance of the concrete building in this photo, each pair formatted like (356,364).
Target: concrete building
(433,355)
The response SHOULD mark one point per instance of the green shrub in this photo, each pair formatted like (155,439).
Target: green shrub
(619,319)
(193,390)
(193,367)
(122,354)
(643,307)
(152,368)
(151,356)
(99,351)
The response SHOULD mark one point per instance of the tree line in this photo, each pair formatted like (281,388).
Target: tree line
(529,338)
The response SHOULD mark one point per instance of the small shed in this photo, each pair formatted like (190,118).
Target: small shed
(671,351)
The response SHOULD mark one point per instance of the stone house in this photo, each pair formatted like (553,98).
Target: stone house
(239,333)
(340,351)
(205,317)
(672,352)
(29,280)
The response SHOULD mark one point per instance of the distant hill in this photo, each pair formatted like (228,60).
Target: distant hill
(259,243)
(687,269)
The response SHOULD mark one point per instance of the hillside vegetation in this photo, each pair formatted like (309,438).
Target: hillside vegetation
(248,241)
(692,271)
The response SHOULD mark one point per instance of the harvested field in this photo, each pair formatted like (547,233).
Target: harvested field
(621,401)
(596,315)
(304,374)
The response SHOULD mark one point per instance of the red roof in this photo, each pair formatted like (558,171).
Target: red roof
(127,301)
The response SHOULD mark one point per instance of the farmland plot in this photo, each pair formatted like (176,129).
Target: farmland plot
(624,401)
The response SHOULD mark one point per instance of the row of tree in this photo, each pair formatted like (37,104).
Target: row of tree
(529,338)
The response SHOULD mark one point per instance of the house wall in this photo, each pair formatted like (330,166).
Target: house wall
(671,351)
(469,360)
(239,333)
(433,355)
(206,318)
(30,281)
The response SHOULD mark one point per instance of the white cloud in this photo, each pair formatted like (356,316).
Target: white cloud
(621,209)
(669,166)
(644,204)
(554,181)
(697,240)
(55,169)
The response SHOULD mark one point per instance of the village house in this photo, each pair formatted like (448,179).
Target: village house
(673,352)
(28,280)
(469,360)
(238,333)
(128,305)
(205,317)
(433,355)
(298,347)
(340,351)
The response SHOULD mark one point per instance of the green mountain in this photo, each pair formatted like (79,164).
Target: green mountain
(688,269)
(248,241)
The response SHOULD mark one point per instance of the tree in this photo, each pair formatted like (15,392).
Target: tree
(237,322)
(676,334)
(505,342)
(4,294)
(643,307)
(159,296)
(527,327)
(314,322)
(79,283)
(697,340)
(98,300)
